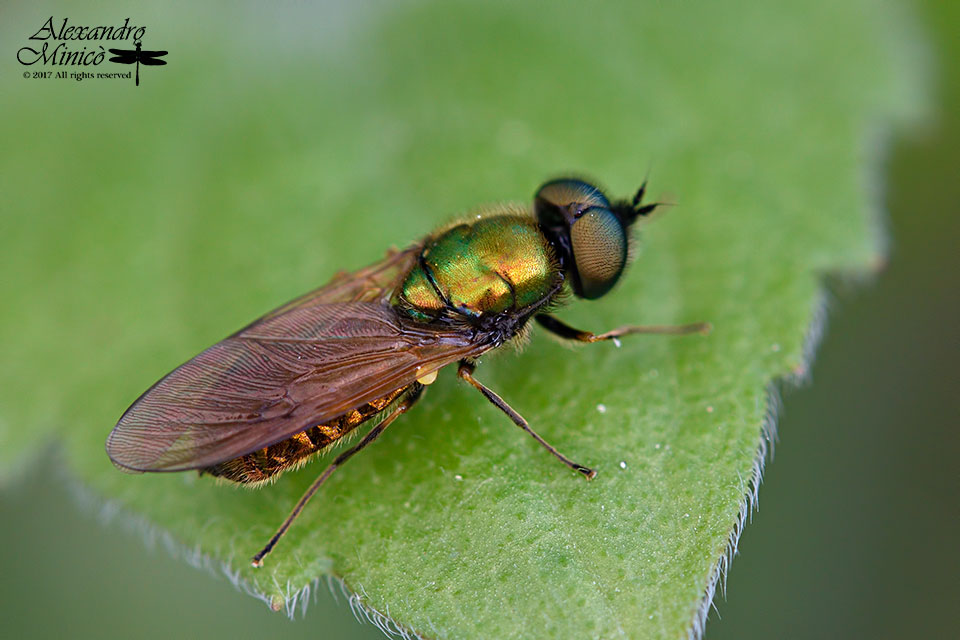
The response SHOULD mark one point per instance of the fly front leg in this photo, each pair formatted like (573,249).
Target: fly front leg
(465,371)
(564,330)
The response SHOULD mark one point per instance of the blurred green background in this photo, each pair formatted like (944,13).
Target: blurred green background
(857,530)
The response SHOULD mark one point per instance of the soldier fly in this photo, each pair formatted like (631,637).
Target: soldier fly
(364,347)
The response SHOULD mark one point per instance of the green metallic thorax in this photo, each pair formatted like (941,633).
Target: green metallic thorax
(486,266)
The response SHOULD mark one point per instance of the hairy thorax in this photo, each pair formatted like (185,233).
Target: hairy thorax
(495,264)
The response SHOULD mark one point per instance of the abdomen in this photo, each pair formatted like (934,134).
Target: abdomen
(263,464)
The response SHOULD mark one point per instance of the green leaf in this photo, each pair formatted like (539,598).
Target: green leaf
(143,224)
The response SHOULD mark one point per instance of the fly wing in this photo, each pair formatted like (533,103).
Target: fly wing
(375,282)
(310,361)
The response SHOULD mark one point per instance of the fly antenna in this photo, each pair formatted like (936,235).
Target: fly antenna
(634,208)
(638,198)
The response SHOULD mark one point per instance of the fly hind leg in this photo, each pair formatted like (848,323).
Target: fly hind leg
(399,410)
(465,371)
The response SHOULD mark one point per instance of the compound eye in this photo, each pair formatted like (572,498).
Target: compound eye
(566,198)
(599,244)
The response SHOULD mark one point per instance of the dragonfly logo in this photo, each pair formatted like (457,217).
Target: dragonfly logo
(60,50)
(138,56)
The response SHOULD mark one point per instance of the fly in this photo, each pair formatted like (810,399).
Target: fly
(363,348)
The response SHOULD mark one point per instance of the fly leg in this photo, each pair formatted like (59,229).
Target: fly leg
(563,330)
(400,409)
(465,371)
